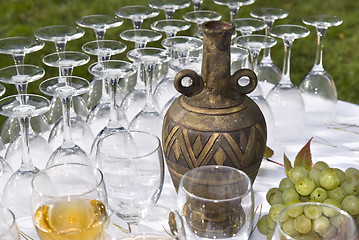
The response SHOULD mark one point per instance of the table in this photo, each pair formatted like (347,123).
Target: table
(336,144)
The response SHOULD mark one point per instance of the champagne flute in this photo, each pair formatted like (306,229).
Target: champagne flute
(169,6)
(137,14)
(317,86)
(69,201)
(8,226)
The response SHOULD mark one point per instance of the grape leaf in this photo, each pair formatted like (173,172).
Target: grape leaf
(304,157)
(268,152)
(287,164)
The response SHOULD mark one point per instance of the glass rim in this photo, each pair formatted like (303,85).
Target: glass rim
(340,211)
(101,142)
(13,221)
(242,173)
(101,181)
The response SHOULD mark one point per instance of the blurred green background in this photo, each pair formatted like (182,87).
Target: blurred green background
(23,17)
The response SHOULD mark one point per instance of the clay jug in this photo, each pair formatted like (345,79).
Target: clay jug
(213,122)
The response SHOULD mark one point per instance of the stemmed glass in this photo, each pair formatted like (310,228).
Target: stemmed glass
(171,26)
(284,98)
(133,167)
(234,6)
(69,201)
(216,202)
(181,46)
(100,109)
(268,72)
(8,226)
(137,14)
(200,16)
(317,87)
(21,75)
(254,44)
(246,26)
(148,119)
(140,36)
(113,72)
(16,194)
(65,88)
(169,6)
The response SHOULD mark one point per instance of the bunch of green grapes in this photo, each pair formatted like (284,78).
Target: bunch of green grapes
(321,184)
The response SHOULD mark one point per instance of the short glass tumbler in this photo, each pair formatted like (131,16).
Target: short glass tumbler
(216,202)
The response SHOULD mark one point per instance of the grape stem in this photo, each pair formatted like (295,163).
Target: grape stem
(259,217)
(272,161)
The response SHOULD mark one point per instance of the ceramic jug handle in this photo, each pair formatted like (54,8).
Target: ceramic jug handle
(253,81)
(196,86)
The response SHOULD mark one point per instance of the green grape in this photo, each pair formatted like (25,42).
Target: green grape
(305,186)
(304,198)
(341,175)
(296,173)
(329,179)
(352,174)
(336,220)
(321,224)
(319,194)
(309,236)
(290,194)
(295,211)
(288,227)
(285,184)
(314,174)
(330,233)
(275,210)
(302,224)
(329,212)
(350,187)
(270,234)
(337,193)
(350,204)
(313,211)
(262,225)
(270,223)
(274,196)
(320,165)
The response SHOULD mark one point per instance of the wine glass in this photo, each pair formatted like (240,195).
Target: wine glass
(254,44)
(148,119)
(317,221)
(69,201)
(268,72)
(59,35)
(238,58)
(216,202)
(8,226)
(65,88)
(16,194)
(140,36)
(169,6)
(233,6)
(21,75)
(317,86)
(170,26)
(137,14)
(200,16)
(158,222)
(284,98)
(113,72)
(99,23)
(181,46)
(100,106)
(133,168)
(246,26)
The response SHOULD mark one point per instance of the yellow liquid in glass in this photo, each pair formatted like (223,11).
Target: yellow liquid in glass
(77,219)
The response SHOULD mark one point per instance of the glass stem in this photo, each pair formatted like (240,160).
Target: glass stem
(66,102)
(196,5)
(113,120)
(66,71)
(318,64)
(26,164)
(148,79)
(104,82)
(267,51)
(19,58)
(233,10)
(21,89)
(137,23)
(140,44)
(100,33)
(288,42)
(60,44)
(254,53)
(169,13)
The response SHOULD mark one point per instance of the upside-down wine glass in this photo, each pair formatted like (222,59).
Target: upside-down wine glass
(254,44)
(137,14)
(16,194)
(21,75)
(233,5)
(268,72)
(65,88)
(100,109)
(246,26)
(140,36)
(66,61)
(284,98)
(169,6)
(18,47)
(148,119)
(317,86)
(199,17)
(113,72)
(170,26)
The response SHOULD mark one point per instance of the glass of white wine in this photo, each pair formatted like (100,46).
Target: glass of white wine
(69,201)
